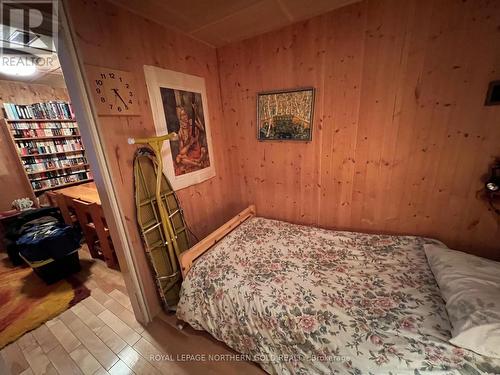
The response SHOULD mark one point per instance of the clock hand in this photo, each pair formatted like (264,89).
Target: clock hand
(117,94)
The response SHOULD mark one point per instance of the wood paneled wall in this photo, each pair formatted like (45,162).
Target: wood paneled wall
(12,179)
(110,36)
(401,138)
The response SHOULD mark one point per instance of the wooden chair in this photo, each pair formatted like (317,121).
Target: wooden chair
(95,231)
(51,198)
(68,212)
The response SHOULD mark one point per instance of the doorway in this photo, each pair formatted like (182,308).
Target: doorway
(55,158)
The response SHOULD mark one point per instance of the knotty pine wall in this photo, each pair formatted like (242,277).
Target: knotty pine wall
(401,138)
(12,178)
(113,37)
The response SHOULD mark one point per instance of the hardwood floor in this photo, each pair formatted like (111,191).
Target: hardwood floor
(100,336)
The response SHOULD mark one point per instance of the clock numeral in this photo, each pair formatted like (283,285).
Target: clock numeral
(98,90)
(120,78)
(119,109)
(103,76)
(98,82)
(112,75)
(130,101)
(127,86)
(130,93)
(111,106)
(103,99)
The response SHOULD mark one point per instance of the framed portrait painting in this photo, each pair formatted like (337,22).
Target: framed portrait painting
(285,115)
(179,105)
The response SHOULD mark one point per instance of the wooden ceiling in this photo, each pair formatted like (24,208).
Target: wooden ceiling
(219,22)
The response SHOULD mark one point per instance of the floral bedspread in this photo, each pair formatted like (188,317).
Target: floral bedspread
(305,300)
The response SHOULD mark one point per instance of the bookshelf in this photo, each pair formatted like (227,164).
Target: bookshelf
(48,145)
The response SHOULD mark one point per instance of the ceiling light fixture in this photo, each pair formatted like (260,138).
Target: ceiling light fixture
(23,37)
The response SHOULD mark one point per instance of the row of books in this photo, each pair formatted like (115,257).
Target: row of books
(43,125)
(33,133)
(58,181)
(56,174)
(35,159)
(35,111)
(51,164)
(43,147)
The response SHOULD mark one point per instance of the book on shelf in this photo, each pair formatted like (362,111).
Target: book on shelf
(29,147)
(43,129)
(50,175)
(52,110)
(35,164)
(55,182)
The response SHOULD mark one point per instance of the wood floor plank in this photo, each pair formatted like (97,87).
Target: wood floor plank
(27,342)
(136,362)
(28,371)
(63,363)
(14,359)
(103,331)
(65,337)
(69,318)
(125,315)
(3,367)
(101,371)
(148,351)
(116,324)
(100,296)
(91,303)
(91,284)
(120,368)
(51,322)
(51,370)
(111,339)
(122,298)
(94,345)
(45,338)
(92,321)
(85,361)
(38,361)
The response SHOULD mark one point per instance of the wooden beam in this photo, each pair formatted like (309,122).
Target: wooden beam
(188,257)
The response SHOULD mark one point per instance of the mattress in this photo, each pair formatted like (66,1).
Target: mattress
(304,300)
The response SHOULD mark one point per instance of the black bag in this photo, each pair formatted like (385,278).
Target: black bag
(17,226)
(44,240)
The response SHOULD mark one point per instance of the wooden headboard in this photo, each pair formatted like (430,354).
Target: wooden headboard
(187,258)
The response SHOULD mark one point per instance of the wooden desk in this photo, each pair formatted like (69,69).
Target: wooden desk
(84,192)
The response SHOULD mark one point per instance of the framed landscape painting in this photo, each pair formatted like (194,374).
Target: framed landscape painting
(285,115)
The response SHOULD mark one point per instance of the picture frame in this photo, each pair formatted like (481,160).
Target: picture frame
(179,104)
(285,115)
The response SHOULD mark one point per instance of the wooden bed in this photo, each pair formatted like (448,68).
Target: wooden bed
(304,300)
(187,258)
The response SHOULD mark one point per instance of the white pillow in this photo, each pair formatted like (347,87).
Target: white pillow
(470,286)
